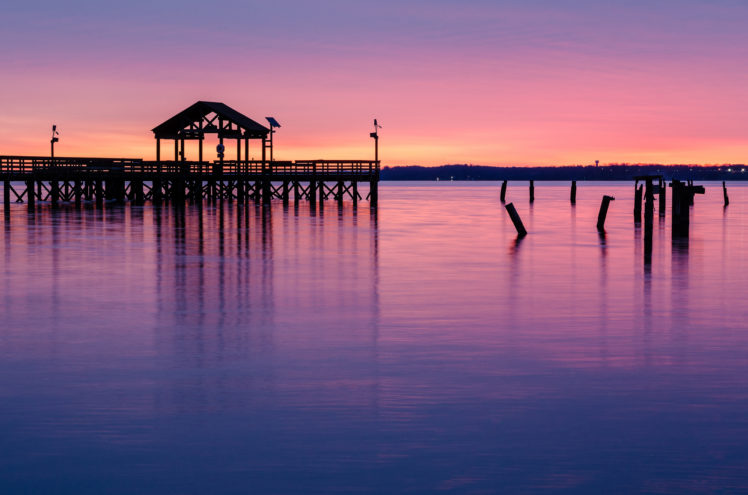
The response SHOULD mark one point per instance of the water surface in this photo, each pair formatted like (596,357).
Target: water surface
(419,348)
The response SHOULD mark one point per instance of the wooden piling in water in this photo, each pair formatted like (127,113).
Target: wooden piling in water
(532,191)
(136,191)
(516,220)
(313,193)
(573,197)
(156,192)
(78,192)
(663,197)
(681,220)
(99,192)
(30,194)
(648,199)
(6,195)
(638,203)
(503,191)
(603,213)
(724,193)
(54,192)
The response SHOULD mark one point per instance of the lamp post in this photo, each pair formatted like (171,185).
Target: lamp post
(273,126)
(375,136)
(54,140)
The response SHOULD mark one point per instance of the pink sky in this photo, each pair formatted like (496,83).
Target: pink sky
(492,83)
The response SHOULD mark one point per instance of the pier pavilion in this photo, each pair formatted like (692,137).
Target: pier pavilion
(68,179)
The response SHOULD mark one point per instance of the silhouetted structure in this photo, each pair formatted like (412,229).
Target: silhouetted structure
(121,179)
(603,213)
(516,220)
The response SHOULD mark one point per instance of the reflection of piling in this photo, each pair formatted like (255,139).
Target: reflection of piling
(648,221)
(649,205)
(521,232)
(637,203)
(573,192)
(724,193)
(532,191)
(663,197)
(603,213)
(503,191)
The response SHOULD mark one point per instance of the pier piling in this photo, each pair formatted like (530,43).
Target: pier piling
(503,191)
(573,197)
(724,193)
(680,214)
(638,202)
(6,196)
(30,196)
(532,191)
(521,232)
(663,196)
(54,192)
(603,213)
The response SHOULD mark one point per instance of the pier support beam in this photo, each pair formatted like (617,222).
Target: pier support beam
(99,194)
(78,192)
(532,191)
(502,197)
(6,196)
(54,188)
(374,193)
(156,192)
(136,191)
(573,196)
(30,194)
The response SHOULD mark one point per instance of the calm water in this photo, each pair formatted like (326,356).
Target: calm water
(421,349)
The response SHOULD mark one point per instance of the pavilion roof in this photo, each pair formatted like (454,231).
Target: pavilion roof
(191,116)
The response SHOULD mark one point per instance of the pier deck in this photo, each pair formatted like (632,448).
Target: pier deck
(136,180)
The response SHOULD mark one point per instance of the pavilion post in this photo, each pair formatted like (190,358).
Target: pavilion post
(246,150)
(158,149)
(265,174)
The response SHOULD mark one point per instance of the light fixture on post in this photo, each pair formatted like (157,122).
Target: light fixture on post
(375,135)
(54,140)
(273,125)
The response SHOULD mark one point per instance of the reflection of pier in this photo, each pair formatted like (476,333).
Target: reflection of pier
(135,180)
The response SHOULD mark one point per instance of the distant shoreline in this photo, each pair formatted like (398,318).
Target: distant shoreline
(609,172)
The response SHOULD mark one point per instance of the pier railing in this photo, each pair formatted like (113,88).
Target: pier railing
(18,165)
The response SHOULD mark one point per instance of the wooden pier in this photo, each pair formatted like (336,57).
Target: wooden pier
(55,179)
(30,179)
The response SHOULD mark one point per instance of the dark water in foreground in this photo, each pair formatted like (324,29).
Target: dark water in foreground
(232,350)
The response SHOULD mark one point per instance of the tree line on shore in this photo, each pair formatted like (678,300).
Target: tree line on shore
(573,172)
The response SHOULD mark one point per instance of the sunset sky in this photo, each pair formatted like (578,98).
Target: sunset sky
(531,82)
